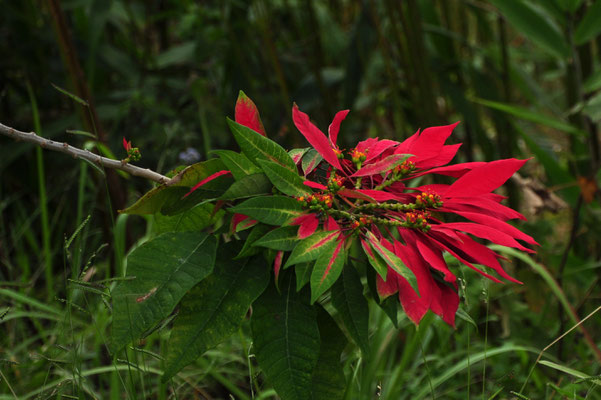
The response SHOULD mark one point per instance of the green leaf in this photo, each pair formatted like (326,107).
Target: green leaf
(534,26)
(257,147)
(237,163)
(214,309)
(166,194)
(283,238)
(327,269)
(310,248)
(194,219)
(286,340)
(590,25)
(285,180)
(328,381)
(348,300)
(569,5)
(593,82)
(532,116)
(71,95)
(303,274)
(571,371)
(393,261)
(272,210)
(248,186)
(179,54)
(165,268)
(529,115)
(310,161)
(247,249)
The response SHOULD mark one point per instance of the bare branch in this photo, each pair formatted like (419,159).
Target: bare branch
(75,152)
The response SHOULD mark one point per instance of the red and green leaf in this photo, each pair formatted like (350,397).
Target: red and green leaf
(392,260)
(381,166)
(327,269)
(310,249)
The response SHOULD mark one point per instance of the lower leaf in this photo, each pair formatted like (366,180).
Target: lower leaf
(286,339)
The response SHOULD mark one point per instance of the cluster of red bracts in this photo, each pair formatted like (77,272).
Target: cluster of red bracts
(376,200)
(366,195)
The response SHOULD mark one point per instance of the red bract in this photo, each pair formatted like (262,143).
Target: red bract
(403,230)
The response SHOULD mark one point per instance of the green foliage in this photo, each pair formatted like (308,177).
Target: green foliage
(286,339)
(162,270)
(214,309)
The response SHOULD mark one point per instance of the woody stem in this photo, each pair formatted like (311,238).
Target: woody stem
(75,152)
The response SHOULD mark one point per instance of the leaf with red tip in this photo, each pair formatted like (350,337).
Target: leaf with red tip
(431,140)
(247,114)
(308,224)
(126,145)
(241,222)
(327,269)
(314,136)
(484,179)
(481,205)
(334,127)
(434,258)
(207,180)
(383,165)
(388,287)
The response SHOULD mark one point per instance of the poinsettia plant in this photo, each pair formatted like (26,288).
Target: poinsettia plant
(281,232)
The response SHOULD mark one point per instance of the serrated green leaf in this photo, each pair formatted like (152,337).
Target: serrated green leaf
(283,238)
(237,163)
(534,26)
(165,268)
(258,147)
(248,186)
(194,219)
(310,161)
(247,249)
(214,309)
(285,180)
(328,381)
(532,116)
(348,300)
(272,210)
(393,261)
(590,25)
(327,269)
(155,199)
(286,340)
(303,274)
(310,248)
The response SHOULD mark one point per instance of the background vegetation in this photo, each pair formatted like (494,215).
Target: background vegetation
(524,77)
